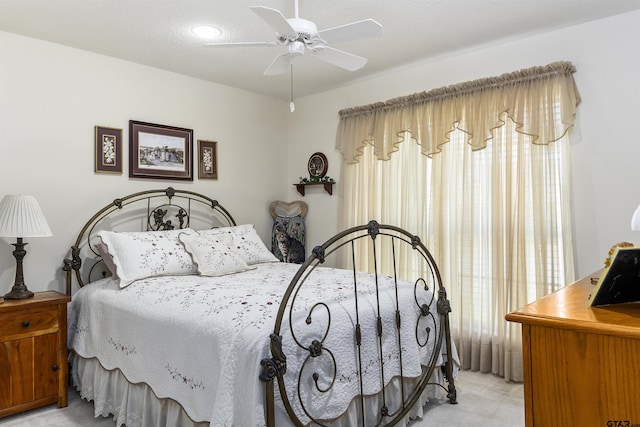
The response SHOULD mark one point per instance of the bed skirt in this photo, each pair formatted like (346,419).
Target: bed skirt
(136,405)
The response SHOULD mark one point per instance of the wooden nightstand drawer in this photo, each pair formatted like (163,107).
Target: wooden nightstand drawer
(27,325)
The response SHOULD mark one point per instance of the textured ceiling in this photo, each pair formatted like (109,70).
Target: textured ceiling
(157,32)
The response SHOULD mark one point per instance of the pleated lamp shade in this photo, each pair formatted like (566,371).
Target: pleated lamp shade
(21,216)
(635,220)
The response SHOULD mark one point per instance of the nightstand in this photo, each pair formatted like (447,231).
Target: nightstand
(33,352)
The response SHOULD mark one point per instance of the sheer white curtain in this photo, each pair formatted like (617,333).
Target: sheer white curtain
(497,220)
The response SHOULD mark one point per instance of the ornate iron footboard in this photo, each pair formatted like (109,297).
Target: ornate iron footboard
(397,243)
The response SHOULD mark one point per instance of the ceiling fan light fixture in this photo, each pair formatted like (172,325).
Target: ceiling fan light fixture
(296,48)
(206,31)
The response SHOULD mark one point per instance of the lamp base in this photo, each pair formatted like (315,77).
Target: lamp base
(19,291)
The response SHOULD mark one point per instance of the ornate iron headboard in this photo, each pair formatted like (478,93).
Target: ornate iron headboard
(162,209)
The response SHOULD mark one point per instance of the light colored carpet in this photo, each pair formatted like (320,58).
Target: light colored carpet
(483,400)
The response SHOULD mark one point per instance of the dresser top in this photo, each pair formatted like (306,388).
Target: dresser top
(569,308)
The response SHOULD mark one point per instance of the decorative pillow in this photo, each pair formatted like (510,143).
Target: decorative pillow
(137,255)
(213,254)
(246,243)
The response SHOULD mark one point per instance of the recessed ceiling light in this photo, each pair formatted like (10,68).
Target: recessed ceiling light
(206,32)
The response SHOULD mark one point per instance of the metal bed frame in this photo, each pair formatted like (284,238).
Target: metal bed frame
(275,367)
(166,209)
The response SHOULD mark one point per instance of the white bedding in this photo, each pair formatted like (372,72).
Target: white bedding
(199,340)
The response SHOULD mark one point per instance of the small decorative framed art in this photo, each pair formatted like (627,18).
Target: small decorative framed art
(108,150)
(207,159)
(160,151)
(317,165)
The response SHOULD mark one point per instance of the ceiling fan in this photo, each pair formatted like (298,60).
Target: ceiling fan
(298,35)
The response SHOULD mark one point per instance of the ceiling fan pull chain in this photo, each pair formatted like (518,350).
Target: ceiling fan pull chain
(292,106)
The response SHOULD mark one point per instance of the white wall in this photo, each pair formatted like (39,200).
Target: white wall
(51,97)
(605,154)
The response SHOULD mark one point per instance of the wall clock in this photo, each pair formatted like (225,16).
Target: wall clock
(317,165)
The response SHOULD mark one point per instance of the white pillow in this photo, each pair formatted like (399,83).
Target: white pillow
(138,255)
(246,243)
(213,254)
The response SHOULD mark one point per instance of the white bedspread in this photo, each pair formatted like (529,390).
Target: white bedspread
(199,340)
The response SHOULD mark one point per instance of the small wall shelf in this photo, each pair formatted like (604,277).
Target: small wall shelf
(328,186)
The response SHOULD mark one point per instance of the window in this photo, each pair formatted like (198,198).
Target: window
(496,216)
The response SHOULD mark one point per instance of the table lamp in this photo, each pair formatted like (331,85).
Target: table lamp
(635,220)
(21,216)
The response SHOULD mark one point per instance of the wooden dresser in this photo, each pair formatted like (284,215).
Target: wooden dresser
(33,352)
(581,363)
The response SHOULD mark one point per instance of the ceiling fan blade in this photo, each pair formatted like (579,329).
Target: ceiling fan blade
(241,44)
(353,31)
(279,65)
(276,20)
(339,58)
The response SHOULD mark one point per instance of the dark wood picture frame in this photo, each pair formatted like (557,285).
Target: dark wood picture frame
(207,159)
(160,151)
(108,150)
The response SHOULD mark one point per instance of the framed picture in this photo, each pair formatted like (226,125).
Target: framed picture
(160,151)
(619,282)
(317,165)
(108,150)
(207,160)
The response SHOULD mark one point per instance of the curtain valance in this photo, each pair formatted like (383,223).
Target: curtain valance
(541,100)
